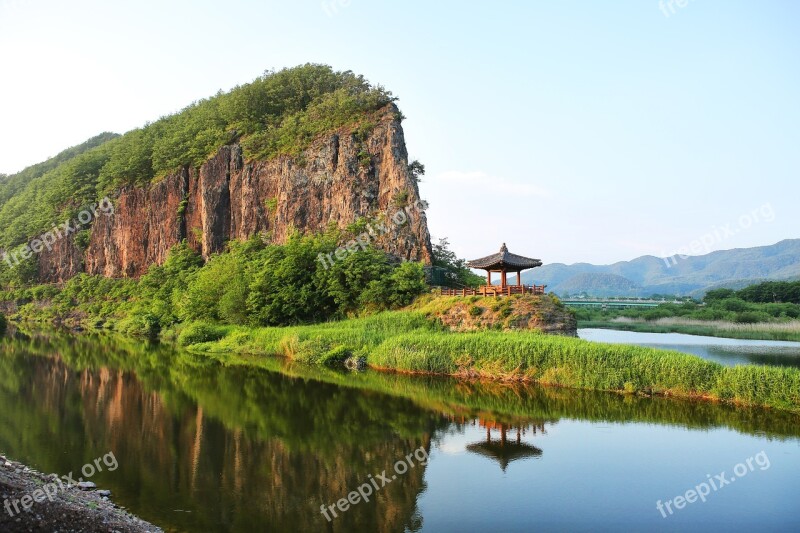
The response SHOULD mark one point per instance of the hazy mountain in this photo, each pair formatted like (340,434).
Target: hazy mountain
(691,276)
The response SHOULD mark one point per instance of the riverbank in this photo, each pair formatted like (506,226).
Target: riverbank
(70,509)
(410,342)
(765,331)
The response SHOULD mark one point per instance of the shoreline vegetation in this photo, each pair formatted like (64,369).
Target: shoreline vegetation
(766,311)
(408,341)
(767,331)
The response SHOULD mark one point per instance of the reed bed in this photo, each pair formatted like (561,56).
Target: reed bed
(406,341)
(791,326)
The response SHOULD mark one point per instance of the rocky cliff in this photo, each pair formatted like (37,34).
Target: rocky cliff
(341,177)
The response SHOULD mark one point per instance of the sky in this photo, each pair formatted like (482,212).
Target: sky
(573,131)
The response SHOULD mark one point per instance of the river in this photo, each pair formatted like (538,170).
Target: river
(729,352)
(208,447)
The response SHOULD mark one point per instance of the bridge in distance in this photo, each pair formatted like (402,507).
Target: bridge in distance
(606,303)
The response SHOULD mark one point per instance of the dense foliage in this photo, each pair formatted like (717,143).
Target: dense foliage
(42,195)
(251,284)
(11,185)
(278,113)
(767,292)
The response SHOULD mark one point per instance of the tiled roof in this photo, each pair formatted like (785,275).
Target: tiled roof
(504,259)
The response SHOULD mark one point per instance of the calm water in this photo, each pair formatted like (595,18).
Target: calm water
(207,447)
(728,352)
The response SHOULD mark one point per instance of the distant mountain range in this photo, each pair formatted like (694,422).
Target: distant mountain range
(692,276)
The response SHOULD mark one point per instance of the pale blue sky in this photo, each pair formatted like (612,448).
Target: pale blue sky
(574,131)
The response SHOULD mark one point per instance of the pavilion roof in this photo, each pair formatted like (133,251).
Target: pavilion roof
(504,259)
(504,453)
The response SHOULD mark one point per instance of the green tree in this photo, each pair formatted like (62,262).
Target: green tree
(417,170)
(399,289)
(285,289)
(719,294)
(160,290)
(346,280)
(456,272)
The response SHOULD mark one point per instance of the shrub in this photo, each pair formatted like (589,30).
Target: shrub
(336,355)
(400,199)
(198,332)
(82,239)
(141,324)
(734,304)
(751,317)
(43,292)
(719,294)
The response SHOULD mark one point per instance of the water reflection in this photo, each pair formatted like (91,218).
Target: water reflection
(209,446)
(503,450)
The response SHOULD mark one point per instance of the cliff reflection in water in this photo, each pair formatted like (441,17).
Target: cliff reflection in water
(209,446)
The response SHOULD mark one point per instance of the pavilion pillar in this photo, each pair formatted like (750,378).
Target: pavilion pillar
(488,277)
(503,279)
(519,278)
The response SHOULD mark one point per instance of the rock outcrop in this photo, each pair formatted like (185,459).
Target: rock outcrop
(542,313)
(340,178)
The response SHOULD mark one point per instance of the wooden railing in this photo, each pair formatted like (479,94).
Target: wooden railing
(496,290)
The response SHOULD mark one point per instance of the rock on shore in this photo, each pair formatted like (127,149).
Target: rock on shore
(72,509)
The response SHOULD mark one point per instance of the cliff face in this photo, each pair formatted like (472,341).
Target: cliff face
(342,177)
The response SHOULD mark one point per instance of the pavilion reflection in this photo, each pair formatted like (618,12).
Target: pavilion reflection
(510,446)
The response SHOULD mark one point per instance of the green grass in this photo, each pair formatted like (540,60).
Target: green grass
(406,341)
